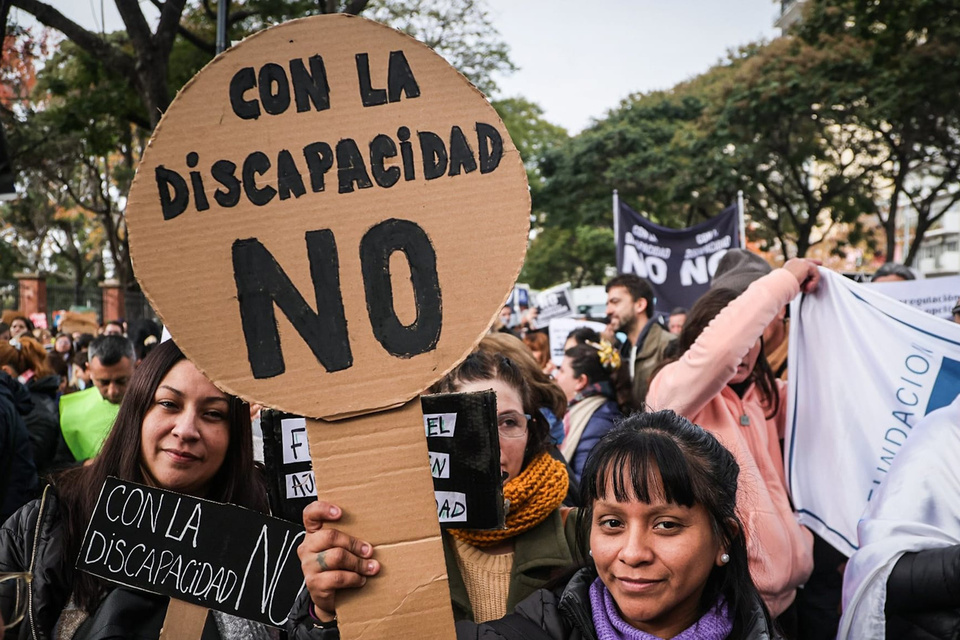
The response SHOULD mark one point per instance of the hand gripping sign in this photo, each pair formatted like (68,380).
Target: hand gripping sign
(327,218)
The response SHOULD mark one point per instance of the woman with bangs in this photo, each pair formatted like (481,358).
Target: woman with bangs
(667,557)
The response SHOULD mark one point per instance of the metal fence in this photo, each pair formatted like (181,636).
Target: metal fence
(72,298)
(69,297)
(137,306)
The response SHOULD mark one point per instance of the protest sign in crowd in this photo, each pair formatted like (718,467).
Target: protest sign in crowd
(362,427)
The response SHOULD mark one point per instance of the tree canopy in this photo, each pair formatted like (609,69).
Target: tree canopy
(78,125)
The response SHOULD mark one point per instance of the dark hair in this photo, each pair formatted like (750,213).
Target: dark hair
(663,455)
(27,321)
(546,392)
(145,335)
(582,335)
(84,340)
(894,269)
(236,481)
(703,312)
(111,349)
(679,311)
(483,365)
(585,360)
(637,287)
(117,323)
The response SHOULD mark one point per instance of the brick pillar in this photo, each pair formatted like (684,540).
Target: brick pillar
(113,308)
(33,293)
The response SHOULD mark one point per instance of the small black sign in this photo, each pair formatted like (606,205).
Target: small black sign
(464,449)
(218,556)
(286,455)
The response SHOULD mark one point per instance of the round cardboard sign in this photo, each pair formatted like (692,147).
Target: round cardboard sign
(328,217)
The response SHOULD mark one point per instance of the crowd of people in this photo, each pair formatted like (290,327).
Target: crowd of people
(643,477)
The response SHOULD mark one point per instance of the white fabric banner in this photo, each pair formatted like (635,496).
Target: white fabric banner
(936,296)
(864,369)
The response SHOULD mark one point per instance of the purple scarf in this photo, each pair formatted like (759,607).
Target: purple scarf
(714,625)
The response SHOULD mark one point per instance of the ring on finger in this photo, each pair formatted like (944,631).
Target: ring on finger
(322,561)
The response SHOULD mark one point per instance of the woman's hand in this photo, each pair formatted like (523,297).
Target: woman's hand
(805,271)
(330,559)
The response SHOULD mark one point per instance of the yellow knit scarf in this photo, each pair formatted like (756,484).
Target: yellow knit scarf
(530,498)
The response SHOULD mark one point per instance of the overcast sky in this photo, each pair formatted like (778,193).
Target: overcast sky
(577,63)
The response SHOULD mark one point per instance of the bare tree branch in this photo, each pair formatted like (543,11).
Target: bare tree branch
(112,57)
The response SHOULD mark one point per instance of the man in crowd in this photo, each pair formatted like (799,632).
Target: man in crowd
(86,416)
(630,310)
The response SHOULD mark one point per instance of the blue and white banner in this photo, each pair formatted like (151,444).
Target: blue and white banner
(936,296)
(678,263)
(864,369)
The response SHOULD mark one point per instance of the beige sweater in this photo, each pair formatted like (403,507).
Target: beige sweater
(487,579)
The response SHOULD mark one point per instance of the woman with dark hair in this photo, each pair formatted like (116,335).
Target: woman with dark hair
(667,556)
(722,382)
(585,377)
(175,430)
(21,325)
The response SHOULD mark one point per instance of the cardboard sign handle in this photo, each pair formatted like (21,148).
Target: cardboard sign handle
(184,621)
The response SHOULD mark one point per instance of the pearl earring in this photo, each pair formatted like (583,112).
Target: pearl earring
(590,553)
(724,558)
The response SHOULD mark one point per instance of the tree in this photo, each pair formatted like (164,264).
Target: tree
(803,170)
(532,134)
(890,69)
(106,92)
(580,255)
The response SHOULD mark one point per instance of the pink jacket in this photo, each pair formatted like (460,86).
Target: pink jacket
(779,549)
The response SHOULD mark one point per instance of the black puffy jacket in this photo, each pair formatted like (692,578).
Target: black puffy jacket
(32,540)
(43,422)
(18,474)
(567,616)
(923,596)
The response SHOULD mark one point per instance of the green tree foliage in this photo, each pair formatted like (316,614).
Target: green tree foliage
(80,132)
(557,255)
(802,171)
(892,69)
(532,134)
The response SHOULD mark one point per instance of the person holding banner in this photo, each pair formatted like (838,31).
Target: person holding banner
(667,556)
(585,377)
(489,572)
(722,382)
(175,430)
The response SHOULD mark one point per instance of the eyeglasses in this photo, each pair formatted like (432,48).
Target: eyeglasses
(14,587)
(512,424)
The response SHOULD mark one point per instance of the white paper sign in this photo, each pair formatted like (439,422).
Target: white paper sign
(440,425)
(301,485)
(451,506)
(296,448)
(560,328)
(440,465)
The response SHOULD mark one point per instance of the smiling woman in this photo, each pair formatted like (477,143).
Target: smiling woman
(667,555)
(175,430)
